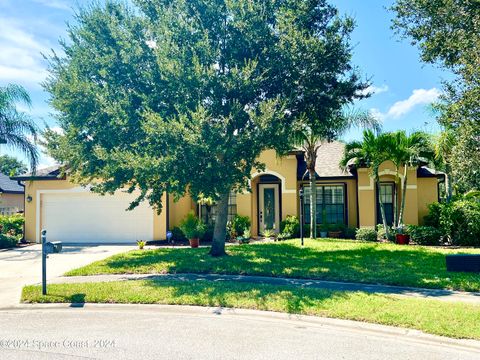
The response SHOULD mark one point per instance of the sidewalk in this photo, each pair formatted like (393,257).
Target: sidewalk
(433,294)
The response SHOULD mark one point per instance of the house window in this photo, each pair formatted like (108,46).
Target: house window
(208,213)
(330,204)
(387,194)
(8,210)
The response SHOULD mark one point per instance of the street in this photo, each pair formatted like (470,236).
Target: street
(171,332)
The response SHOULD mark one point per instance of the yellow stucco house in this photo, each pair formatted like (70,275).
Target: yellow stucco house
(344,196)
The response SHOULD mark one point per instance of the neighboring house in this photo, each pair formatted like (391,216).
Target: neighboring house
(11,196)
(73,214)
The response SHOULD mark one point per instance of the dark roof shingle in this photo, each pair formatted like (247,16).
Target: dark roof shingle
(8,185)
(327,165)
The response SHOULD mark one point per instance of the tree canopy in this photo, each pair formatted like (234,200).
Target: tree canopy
(183,96)
(448,33)
(11,166)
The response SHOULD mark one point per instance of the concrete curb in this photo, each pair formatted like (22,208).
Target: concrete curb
(410,292)
(401,334)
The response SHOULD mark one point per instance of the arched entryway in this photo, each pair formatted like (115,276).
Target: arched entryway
(268,189)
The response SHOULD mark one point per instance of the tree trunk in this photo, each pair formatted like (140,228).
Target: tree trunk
(220,230)
(396,214)
(448,184)
(313,204)
(382,209)
(404,195)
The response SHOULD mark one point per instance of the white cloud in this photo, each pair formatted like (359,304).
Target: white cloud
(56,4)
(418,97)
(400,108)
(377,114)
(372,89)
(20,56)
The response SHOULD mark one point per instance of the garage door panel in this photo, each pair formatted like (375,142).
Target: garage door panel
(87,217)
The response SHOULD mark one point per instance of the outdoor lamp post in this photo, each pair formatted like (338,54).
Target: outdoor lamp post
(301,214)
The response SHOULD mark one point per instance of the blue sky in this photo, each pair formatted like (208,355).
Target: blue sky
(403,86)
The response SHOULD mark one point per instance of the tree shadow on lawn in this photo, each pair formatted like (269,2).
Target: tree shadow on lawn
(407,266)
(258,296)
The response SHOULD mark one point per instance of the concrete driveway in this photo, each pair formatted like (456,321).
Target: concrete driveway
(23,266)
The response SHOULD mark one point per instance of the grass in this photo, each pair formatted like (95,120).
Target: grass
(432,316)
(341,260)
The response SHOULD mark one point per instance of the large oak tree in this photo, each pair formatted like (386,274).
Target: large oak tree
(182,96)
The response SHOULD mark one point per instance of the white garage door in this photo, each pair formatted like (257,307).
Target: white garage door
(90,218)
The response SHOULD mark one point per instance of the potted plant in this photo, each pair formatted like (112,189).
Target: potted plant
(324,226)
(193,229)
(323,230)
(400,237)
(141,244)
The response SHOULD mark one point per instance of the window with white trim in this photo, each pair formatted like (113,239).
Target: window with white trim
(330,204)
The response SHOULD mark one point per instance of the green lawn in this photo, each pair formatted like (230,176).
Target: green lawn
(435,317)
(341,260)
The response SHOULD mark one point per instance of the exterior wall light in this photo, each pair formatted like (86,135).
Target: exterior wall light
(29,198)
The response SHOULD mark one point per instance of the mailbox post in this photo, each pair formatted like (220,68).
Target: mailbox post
(47,248)
(44,262)
(301,214)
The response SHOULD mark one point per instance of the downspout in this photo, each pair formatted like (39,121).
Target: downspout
(167,210)
(22,240)
(357,203)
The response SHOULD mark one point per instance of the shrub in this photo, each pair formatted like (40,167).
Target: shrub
(178,235)
(424,235)
(366,234)
(349,232)
(382,234)
(434,213)
(458,220)
(240,224)
(7,241)
(12,224)
(192,227)
(461,220)
(290,227)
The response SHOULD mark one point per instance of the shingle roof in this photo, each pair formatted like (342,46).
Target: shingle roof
(424,171)
(51,172)
(327,165)
(8,185)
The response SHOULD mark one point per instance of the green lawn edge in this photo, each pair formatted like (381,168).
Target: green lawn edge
(334,260)
(455,320)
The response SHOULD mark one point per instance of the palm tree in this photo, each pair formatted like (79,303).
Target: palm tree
(17,130)
(443,147)
(310,140)
(371,152)
(406,151)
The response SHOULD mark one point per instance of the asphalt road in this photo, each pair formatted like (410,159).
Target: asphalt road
(167,332)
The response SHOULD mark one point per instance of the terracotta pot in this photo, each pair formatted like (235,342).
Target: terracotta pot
(194,242)
(402,239)
(334,234)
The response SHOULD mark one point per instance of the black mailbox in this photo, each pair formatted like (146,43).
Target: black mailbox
(53,247)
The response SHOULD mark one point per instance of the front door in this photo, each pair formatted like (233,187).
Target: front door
(269,207)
